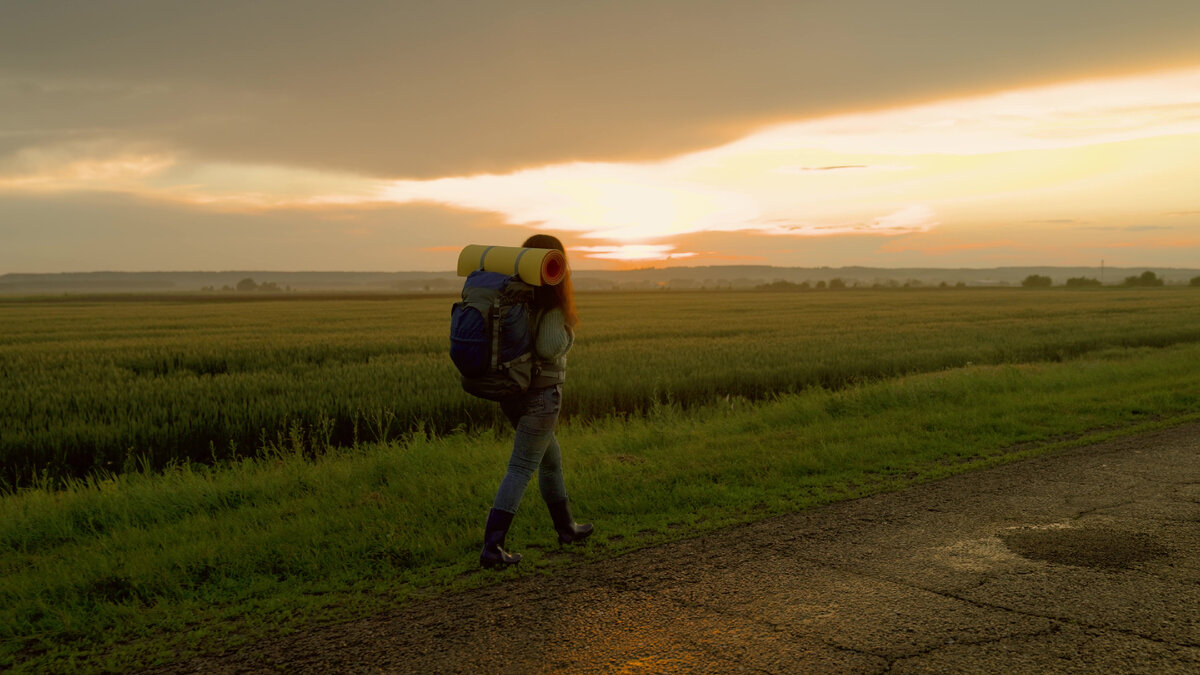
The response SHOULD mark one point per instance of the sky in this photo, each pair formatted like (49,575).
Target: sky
(382,136)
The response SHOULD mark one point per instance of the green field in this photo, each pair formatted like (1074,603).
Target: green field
(105,386)
(321,463)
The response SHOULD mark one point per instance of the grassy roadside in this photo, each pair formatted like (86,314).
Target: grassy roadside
(141,569)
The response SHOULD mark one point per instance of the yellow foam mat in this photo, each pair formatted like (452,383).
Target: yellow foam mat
(534,266)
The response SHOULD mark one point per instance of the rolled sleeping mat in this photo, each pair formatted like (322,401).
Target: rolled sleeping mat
(534,266)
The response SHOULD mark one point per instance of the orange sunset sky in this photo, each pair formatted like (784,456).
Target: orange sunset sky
(386,135)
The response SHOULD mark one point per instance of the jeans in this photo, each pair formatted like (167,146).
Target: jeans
(533,415)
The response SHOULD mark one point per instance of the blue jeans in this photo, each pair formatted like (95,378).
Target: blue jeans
(534,415)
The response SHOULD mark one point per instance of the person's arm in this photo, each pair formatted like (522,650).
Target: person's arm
(554,337)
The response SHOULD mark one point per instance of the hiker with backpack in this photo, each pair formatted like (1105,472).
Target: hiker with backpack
(510,340)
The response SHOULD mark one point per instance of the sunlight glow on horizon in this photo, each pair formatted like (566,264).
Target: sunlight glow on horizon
(1068,152)
(886,173)
(632,252)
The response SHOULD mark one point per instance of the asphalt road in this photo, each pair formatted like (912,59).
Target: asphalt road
(1087,560)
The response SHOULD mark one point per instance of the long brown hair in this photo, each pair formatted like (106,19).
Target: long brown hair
(561,295)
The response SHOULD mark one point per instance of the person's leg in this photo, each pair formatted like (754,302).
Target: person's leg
(554,489)
(550,473)
(535,448)
(534,422)
(534,435)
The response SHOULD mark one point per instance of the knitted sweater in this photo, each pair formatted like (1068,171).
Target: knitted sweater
(554,340)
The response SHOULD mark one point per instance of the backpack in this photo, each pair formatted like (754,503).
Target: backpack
(491,335)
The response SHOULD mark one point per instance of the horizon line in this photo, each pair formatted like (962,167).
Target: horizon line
(601,270)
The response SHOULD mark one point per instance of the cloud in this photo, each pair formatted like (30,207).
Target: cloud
(126,171)
(1158,243)
(99,231)
(1063,149)
(943,153)
(799,169)
(936,249)
(157,172)
(633,253)
(1129,228)
(907,220)
(433,89)
(1090,112)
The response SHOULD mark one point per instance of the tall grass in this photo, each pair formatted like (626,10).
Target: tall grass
(102,387)
(137,568)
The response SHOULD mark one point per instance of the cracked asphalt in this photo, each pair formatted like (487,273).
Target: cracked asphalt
(1081,561)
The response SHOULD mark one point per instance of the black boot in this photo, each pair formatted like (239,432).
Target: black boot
(493,554)
(568,530)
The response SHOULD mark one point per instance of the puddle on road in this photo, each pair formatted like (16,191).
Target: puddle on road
(1096,547)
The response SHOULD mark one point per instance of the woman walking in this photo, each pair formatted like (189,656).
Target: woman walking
(534,415)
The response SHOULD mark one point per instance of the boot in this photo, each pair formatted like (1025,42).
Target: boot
(569,531)
(493,554)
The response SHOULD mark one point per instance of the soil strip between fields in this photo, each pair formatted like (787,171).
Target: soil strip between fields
(1083,560)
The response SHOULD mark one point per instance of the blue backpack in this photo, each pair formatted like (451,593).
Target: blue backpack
(491,335)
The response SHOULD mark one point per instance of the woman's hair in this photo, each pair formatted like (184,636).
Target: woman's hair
(561,295)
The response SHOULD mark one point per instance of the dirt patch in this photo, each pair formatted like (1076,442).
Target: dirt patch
(1084,547)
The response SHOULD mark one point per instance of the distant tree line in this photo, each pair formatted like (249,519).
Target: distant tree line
(802,286)
(1145,279)
(247,285)
(838,284)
